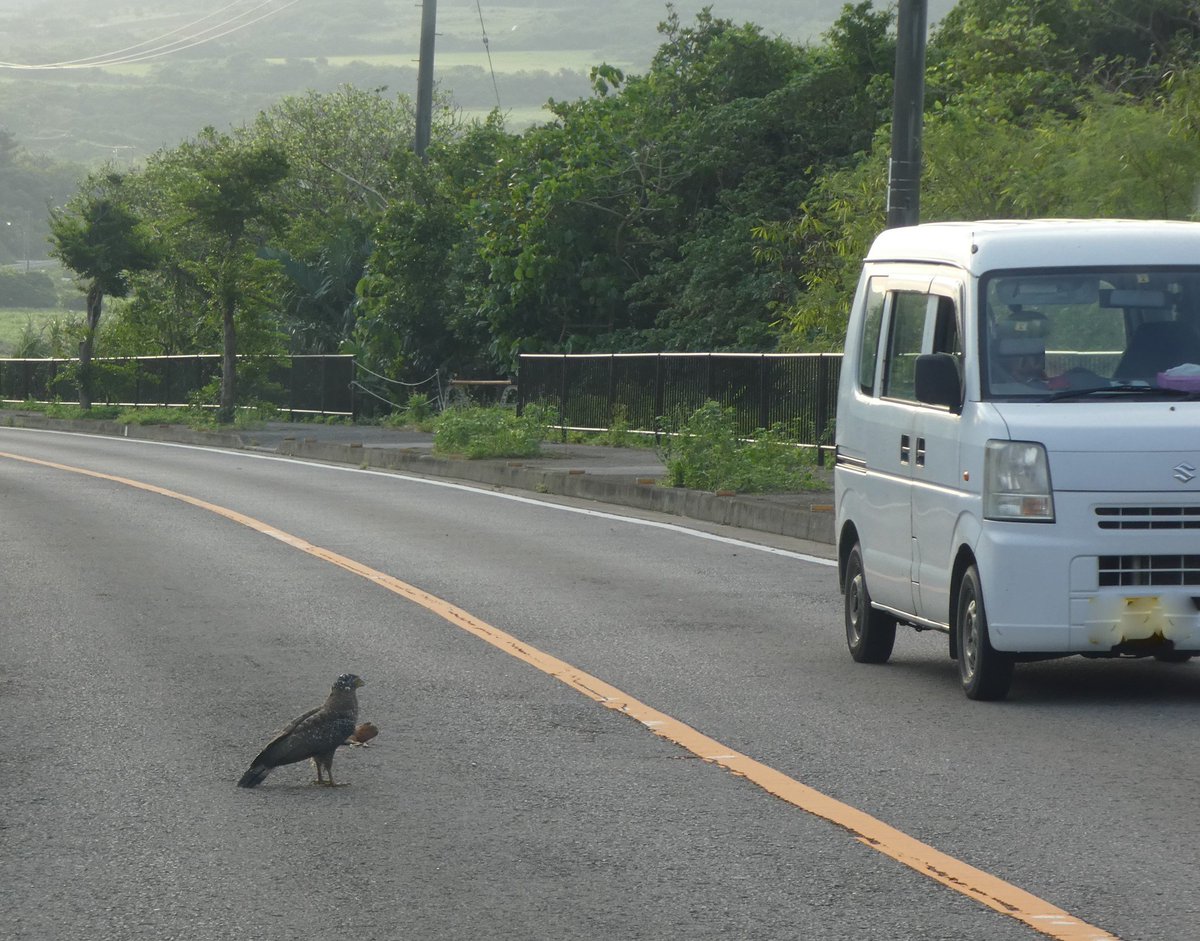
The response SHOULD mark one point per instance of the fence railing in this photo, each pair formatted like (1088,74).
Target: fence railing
(590,391)
(317,384)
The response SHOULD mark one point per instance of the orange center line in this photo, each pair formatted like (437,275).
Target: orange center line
(953,873)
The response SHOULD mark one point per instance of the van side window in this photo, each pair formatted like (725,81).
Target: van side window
(945,333)
(908,330)
(868,351)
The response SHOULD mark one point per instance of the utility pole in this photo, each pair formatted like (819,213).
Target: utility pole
(908,114)
(425,77)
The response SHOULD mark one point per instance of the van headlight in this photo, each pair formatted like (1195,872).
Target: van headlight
(1016,482)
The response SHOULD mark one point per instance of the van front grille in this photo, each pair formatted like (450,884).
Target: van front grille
(1148,517)
(1149,570)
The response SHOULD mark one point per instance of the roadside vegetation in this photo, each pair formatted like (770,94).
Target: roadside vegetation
(478,432)
(704,452)
(196,417)
(700,452)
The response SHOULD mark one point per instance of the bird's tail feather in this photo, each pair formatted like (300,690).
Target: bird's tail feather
(254,776)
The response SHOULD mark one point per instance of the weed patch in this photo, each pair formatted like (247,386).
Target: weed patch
(476,432)
(704,452)
(417,413)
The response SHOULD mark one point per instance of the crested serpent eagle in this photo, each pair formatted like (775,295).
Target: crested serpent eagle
(315,735)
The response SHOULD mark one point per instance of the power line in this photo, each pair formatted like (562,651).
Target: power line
(199,37)
(147,42)
(488,49)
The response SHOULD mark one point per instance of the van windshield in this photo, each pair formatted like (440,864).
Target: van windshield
(1095,332)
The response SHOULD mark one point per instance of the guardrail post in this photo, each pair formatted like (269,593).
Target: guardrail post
(822,416)
(658,396)
(562,400)
(764,408)
(612,389)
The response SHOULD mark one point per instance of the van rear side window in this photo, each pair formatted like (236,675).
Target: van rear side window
(868,352)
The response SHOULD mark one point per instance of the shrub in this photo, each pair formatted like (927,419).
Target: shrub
(417,413)
(32,343)
(476,432)
(72,411)
(194,417)
(704,452)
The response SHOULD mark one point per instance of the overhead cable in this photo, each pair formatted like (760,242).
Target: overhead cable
(128,55)
(488,49)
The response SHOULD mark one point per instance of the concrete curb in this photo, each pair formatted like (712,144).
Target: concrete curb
(180,434)
(802,516)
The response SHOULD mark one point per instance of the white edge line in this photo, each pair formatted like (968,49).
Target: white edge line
(480,489)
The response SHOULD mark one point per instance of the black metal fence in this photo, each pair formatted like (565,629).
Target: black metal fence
(590,391)
(323,385)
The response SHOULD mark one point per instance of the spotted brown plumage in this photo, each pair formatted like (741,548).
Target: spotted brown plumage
(315,735)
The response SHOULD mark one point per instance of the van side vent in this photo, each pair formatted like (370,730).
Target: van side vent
(1149,570)
(1148,517)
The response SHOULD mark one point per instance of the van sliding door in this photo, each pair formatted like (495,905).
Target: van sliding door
(912,455)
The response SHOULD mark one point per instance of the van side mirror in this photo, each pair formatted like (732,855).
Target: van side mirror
(937,380)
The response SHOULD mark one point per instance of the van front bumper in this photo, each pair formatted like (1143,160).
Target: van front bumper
(1076,587)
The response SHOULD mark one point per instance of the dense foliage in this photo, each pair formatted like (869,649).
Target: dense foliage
(719,201)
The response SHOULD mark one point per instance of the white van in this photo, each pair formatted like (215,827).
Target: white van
(1018,443)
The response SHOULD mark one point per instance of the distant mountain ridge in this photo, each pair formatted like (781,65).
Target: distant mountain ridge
(331,27)
(184,64)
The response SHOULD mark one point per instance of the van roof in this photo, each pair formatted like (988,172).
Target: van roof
(1038,243)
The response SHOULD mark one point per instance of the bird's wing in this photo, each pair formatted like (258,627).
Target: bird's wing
(314,733)
(286,747)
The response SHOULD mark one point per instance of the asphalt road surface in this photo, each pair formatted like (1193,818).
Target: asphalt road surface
(562,697)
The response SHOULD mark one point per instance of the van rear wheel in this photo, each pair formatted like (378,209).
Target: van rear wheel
(986,673)
(870,634)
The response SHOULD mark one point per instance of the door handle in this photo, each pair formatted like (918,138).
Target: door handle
(905,449)
(920,452)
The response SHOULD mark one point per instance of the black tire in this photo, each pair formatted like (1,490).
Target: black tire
(870,634)
(986,673)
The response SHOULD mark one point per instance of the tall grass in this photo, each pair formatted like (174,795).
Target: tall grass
(476,432)
(704,452)
(26,332)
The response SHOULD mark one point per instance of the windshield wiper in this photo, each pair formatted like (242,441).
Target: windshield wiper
(1121,388)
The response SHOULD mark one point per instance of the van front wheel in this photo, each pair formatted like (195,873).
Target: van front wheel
(986,673)
(870,634)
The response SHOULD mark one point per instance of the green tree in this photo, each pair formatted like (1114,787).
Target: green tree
(210,200)
(227,195)
(348,163)
(99,238)
(419,299)
(626,222)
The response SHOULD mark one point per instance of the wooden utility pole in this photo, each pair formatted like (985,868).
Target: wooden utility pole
(908,113)
(425,77)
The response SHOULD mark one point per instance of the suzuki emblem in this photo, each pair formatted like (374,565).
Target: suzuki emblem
(1185,473)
